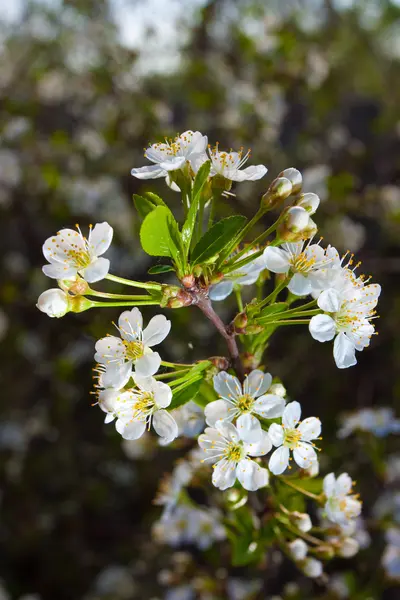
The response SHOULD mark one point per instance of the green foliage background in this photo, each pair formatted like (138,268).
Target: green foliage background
(308,84)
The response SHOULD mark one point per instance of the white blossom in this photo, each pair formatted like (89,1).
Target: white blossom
(230,454)
(134,348)
(246,275)
(244,402)
(349,307)
(302,521)
(229,165)
(187,525)
(302,260)
(54,303)
(293,435)
(138,408)
(172,155)
(70,253)
(298,549)
(312,567)
(341,505)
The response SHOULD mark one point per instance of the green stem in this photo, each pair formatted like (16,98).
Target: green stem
(258,239)
(239,299)
(150,285)
(288,314)
(271,298)
(293,322)
(136,303)
(298,532)
(211,213)
(174,365)
(171,374)
(241,235)
(114,296)
(299,489)
(241,263)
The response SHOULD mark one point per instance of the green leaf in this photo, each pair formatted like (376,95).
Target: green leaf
(216,238)
(143,205)
(155,199)
(198,185)
(184,394)
(159,235)
(157,269)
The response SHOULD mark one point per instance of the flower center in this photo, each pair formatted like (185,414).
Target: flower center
(143,406)
(292,438)
(245,403)
(234,452)
(80,258)
(302,263)
(133,350)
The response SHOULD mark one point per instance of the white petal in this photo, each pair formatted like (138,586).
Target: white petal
(215,411)
(53,302)
(116,376)
(276,434)
(165,425)
(227,386)
(101,237)
(344,352)
(132,430)
(291,415)
(156,331)
(322,328)
(304,455)
(59,271)
(251,475)
(329,484)
(257,383)
(279,460)
(298,549)
(310,429)
(130,324)
(249,428)
(221,290)
(174,163)
(148,172)
(329,300)
(148,364)
(227,430)
(108,400)
(343,484)
(269,406)
(224,474)
(109,350)
(96,271)
(162,394)
(260,448)
(276,260)
(299,285)
(252,173)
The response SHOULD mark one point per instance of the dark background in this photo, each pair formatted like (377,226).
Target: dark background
(309,84)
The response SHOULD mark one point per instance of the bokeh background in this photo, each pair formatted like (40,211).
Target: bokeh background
(84,86)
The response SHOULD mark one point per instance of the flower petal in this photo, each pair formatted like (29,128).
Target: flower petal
(148,364)
(257,383)
(96,271)
(276,260)
(130,324)
(116,376)
(156,331)
(132,430)
(162,394)
(276,434)
(322,328)
(100,237)
(299,285)
(165,426)
(291,415)
(260,448)
(304,455)
(329,484)
(344,352)
(249,428)
(59,271)
(109,350)
(228,431)
(251,475)
(217,410)
(227,386)
(279,460)
(269,406)
(221,290)
(173,163)
(224,474)
(252,173)
(148,172)
(329,300)
(343,484)
(310,429)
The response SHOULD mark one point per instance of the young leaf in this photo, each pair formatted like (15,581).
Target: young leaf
(184,394)
(143,205)
(157,269)
(216,238)
(155,199)
(159,235)
(198,185)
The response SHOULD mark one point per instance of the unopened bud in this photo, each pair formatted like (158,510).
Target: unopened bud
(298,549)
(75,287)
(239,322)
(309,202)
(181,299)
(54,302)
(295,222)
(253,329)
(325,551)
(250,362)
(294,177)
(277,389)
(188,281)
(220,362)
(310,230)
(301,520)
(313,567)
(278,191)
(348,547)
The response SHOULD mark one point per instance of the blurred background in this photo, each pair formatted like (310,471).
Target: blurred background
(84,86)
